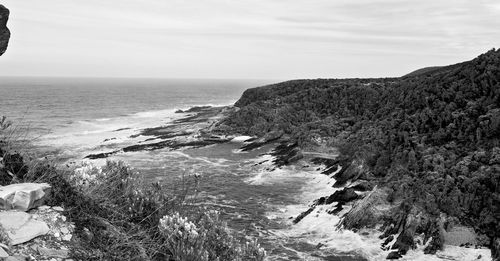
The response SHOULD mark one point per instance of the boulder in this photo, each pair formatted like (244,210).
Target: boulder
(23,196)
(304,214)
(21,227)
(368,211)
(4,31)
(342,196)
(348,172)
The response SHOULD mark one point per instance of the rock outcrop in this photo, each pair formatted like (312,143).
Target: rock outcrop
(23,196)
(42,233)
(4,31)
(367,212)
(430,140)
(21,227)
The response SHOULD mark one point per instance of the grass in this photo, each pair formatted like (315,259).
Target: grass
(117,216)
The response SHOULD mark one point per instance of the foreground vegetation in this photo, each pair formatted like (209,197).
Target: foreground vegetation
(432,139)
(118,217)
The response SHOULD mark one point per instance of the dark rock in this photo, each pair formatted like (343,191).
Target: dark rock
(4,31)
(404,242)
(101,155)
(179,111)
(320,201)
(121,129)
(351,172)
(437,239)
(342,196)
(367,212)
(394,255)
(331,165)
(268,138)
(339,207)
(387,241)
(197,109)
(303,215)
(286,153)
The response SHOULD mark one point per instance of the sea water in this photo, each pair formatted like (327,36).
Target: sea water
(72,117)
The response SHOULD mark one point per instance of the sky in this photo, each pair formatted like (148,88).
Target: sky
(259,39)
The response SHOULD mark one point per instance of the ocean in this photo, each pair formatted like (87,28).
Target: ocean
(69,118)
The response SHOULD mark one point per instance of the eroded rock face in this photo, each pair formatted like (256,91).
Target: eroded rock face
(4,31)
(23,196)
(368,211)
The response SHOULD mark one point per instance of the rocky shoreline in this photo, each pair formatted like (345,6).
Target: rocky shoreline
(193,130)
(419,154)
(366,204)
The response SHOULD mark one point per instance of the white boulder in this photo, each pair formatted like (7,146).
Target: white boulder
(23,196)
(21,227)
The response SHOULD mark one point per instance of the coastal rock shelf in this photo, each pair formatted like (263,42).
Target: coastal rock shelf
(191,131)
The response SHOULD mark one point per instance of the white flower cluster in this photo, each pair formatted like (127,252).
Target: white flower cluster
(179,226)
(86,175)
(208,239)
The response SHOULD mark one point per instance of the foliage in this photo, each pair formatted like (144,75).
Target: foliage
(116,214)
(208,239)
(432,137)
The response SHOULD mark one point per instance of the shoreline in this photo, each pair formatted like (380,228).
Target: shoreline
(200,123)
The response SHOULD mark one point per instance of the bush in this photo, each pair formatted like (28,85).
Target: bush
(116,215)
(207,239)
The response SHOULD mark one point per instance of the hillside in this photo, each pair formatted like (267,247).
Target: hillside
(423,71)
(429,140)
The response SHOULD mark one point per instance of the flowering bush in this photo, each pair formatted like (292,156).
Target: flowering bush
(206,240)
(85,176)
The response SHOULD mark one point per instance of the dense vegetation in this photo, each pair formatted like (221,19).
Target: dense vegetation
(432,137)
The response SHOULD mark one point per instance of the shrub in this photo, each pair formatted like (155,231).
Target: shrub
(117,216)
(207,239)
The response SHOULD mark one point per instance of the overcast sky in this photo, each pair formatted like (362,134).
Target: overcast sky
(268,39)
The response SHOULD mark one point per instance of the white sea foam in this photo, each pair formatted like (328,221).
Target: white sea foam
(320,228)
(83,137)
(450,253)
(154,114)
(241,138)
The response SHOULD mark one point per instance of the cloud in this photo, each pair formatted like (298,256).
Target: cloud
(259,38)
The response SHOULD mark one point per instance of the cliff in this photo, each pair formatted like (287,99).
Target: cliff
(430,140)
(4,31)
